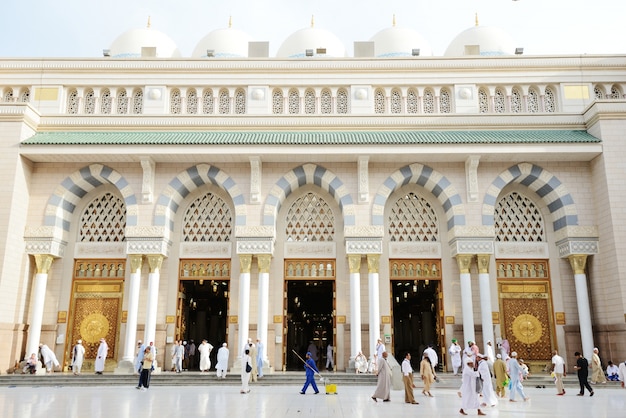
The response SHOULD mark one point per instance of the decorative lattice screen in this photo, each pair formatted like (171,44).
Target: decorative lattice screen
(413,219)
(310,219)
(517,219)
(103,220)
(209,219)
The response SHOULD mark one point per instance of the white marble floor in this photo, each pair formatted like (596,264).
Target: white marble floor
(285,401)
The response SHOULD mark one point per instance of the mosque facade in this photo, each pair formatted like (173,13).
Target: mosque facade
(313,198)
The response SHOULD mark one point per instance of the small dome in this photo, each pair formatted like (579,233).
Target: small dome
(399,42)
(225,43)
(295,45)
(129,44)
(491,41)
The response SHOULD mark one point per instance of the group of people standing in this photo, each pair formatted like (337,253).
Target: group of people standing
(251,364)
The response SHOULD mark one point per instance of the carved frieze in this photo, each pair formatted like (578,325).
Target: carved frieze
(471,246)
(415,250)
(366,231)
(148,246)
(522,250)
(146,231)
(100,250)
(310,250)
(255,231)
(578,246)
(364,246)
(255,246)
(206,249)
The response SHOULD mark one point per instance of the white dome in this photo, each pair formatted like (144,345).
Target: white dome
(491,40)
(399,42)
(225,43)
(295,45)
(129,44)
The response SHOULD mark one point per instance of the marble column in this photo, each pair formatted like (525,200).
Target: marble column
(154,262)
(264,299)
(373,276)
(354,261)
(485,300)
(464,261)
(135,261)
(43,263)
(578,263)
(245,260)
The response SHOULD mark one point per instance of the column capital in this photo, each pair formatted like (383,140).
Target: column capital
(43,263)
(483,263)
(45,240)
(464,261)
(354,262)
(264,262)
(578,263)
(136,261)
(255,245)
(154,261)
(245,261)
(147,240)
(373,263)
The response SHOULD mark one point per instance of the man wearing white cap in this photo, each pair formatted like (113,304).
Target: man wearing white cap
(515,372)
(78,355)
(103,350)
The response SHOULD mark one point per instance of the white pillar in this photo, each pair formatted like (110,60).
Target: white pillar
(582,298)
(43,263)
(133,307)
(373,277)
(244,301)
(154,261)
(485,300)
(354,260)
(264,298)
(464,262)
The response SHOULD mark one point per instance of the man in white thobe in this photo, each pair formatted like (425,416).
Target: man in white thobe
(48,358)
(78,355)
(259,358)
(622,373)
(222,361)
(205,352)
(469,396)
(379,349)
(455,356)
(489,394)
(103,350)
(383,388)
(432,356)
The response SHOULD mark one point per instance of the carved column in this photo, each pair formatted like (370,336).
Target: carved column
(264,299)
(154,262)
(485,298)
(464,261)
(245,261)
(578,262)
(135,261)
(43,263)
(354,261)
(373,276)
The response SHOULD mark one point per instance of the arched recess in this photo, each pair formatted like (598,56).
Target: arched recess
(189,180)
(547,186)
(429,179)
(308,174)
(67,195)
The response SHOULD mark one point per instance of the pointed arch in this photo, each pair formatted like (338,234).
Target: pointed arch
(189,180)
(429,179)
(547,186)
(308,174)
(67,195)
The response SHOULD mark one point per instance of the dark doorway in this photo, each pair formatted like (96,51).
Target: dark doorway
(204,310)
(415,318)
(309,320)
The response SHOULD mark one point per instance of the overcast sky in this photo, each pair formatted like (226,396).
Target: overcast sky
(83,28)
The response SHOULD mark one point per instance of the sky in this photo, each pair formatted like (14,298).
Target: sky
(83,28)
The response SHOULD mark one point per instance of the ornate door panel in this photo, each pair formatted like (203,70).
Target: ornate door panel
(526,309)
(95,313)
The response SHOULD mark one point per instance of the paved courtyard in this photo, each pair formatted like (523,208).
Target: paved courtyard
(285,401)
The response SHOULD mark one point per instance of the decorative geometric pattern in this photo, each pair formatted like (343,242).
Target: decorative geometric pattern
(106,102)
(518,220)
(431,181)
(615,92)
(189,180)
(294,102)
(98,268)
(96,316)
(205,268)
(499,101)
(547,186)
(414,269)
(396,101)
(516,100)
(326,102)
(192,102)
(72,102)
(175,102)
(429,101)
(8,95)
(412,102)
(25,96)
(240,102)
(522,269)
(224,102)
(67,195)
(278,102)
(207,219)
(598,92)
(445,104)
(137,102)
(483,101)
(207,102)
(379,101)
(413,219)
(310,219)
(103,220)
(90,102)
(309,102)
(550,100)
(533,100)
(122,102)
(342,102)
(295,269)
(308,174)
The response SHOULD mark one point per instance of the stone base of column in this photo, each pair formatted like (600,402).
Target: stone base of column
(125,367)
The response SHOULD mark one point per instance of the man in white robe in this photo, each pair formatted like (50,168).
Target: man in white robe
(103,350)
(205,352)
(469,396)
(455,356)
(433,357)
(622,373)
(222,361)
(78,355)
(489,394)
(378,353)
(259,358)
(48,358)
(383,387)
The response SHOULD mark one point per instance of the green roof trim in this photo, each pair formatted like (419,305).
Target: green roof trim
(313,138)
